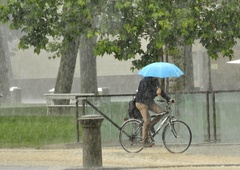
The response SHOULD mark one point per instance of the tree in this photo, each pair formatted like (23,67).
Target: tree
(219,28)
(88,60)
(124,24)
(162,24)
(4,69)
(159,23)
(4,65)
(165,25)
(55,26)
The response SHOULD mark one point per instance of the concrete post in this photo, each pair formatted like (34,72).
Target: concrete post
(91,136)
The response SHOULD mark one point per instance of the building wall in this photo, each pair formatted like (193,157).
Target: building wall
(28,65)
(224,76)
(36,74)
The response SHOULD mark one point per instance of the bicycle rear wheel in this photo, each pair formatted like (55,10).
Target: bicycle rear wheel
(130,136)
(177,137)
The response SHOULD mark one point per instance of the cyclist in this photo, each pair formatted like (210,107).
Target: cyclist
(148,89)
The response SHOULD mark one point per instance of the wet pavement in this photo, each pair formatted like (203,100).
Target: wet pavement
(206,157)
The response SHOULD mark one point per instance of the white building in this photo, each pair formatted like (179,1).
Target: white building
(36,74)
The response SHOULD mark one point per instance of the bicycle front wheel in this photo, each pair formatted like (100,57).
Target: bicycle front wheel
(130,136)
(177,136)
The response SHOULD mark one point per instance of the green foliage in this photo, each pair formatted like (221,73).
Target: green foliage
(221,30)
(47,24)
(160,23)
(50,24)
(163,23)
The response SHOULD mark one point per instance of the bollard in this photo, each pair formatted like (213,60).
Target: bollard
(91,136)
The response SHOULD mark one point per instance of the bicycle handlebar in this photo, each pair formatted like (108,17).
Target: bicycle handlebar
(165,101)
(162,101)
(168,104)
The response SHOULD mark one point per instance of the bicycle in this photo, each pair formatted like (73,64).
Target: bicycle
(176,134)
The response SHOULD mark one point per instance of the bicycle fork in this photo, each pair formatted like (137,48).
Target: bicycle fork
(160,126)
(171,124)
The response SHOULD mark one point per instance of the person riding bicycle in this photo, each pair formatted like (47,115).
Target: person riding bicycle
(148,89)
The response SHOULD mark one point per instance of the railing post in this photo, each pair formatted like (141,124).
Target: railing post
(214,117)
(91,136)
(83,106)
(77,116)
(208,117)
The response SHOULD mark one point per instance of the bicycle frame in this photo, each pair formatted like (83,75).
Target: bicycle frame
(161,125)
(176,134)
(168,119)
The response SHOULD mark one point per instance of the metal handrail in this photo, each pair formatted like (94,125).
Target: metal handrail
(84,101)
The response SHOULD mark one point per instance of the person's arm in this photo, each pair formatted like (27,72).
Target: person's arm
(159,91)
(165,96)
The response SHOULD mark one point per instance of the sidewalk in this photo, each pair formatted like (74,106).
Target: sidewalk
(196,157)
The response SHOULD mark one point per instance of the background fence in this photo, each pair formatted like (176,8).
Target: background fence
(212,116)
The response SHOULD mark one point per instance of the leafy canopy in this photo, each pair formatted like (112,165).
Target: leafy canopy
(125,24)
(47,24)
(165,25)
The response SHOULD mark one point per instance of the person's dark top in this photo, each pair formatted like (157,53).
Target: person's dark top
(147,91)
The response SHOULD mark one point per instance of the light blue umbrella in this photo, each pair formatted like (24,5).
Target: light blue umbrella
(161,70)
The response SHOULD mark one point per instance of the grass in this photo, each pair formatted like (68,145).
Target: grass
(31,127)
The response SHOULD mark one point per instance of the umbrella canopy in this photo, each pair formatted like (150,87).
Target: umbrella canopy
(161,70)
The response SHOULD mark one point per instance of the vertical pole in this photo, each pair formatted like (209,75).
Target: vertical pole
(83,106)
(77,115)
(208,117)
(214,117)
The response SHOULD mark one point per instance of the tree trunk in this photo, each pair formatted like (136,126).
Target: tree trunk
(4,70)
(188,69)
(67,68)
(177,84)
(66,71)
(185,63)
(183,60)
(185,82)
(88,66)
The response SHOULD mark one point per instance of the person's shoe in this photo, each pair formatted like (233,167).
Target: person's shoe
(148,145)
